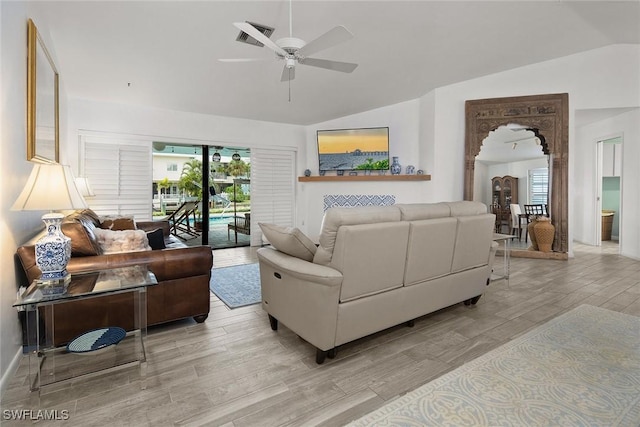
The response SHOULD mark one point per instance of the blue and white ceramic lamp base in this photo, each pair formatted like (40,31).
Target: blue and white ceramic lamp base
(53,252)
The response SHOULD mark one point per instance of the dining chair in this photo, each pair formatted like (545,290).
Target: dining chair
(519,221)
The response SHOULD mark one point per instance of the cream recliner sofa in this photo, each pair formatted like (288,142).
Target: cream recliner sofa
(376,267)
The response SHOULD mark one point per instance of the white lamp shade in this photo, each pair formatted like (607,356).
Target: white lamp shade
(83,187)
(50,187)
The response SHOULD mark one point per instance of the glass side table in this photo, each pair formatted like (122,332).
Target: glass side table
(49,364)
(506,255)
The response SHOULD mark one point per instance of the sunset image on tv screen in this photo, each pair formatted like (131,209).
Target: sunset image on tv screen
(353,149)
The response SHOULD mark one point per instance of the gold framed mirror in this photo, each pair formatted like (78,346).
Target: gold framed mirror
(43,140)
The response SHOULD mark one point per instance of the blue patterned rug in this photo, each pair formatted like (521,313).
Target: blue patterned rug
(237,286)
(579,369)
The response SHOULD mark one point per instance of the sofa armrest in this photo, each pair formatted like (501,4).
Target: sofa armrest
(153,225)
(299,268)
(302,295)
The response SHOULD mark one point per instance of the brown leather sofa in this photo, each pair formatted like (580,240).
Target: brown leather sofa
(183,275)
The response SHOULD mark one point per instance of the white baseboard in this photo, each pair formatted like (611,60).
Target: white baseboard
(10,372)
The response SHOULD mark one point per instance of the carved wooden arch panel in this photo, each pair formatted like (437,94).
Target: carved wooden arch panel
(547,116)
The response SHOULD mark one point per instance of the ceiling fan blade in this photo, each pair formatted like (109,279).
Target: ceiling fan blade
(243,59)
(344,67)
(331,38)
(288,74)
(253,32)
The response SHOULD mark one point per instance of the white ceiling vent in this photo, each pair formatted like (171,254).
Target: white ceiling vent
(246,38)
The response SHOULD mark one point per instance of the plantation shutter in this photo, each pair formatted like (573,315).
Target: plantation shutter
(538,186)
(120,173)
(272,190)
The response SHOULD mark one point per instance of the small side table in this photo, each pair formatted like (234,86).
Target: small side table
(49,364)
(506,254)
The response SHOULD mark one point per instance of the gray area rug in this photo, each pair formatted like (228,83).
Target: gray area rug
(579,369)
(237,286)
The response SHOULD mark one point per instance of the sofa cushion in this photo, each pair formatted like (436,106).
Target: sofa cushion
(334,218)
(114,222)
(474,237)
(115,241)
(467,208)
(289,240)
(371,258)
(430,249)
(156,239)
(417,211)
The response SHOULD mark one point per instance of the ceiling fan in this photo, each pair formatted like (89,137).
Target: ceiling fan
(296,51)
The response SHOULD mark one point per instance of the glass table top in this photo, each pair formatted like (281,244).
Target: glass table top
(89,284)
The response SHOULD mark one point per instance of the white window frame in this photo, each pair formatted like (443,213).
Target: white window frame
(538,184)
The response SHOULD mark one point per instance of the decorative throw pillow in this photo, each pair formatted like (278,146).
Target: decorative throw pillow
(122,240)
(83,239)
(289,240)
(156,239)
(79,226)
(112,222)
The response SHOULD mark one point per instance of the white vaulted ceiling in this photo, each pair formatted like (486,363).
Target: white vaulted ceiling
(168,50)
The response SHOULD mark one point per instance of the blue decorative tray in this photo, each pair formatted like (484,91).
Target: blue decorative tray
(91,342)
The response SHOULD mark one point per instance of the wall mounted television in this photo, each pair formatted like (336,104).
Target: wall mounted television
(353,149)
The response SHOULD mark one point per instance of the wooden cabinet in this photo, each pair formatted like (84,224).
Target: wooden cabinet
(504,191)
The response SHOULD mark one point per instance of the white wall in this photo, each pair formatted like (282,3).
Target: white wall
(176,126)
(627,124)
(439,132)
(404,136)
(589,78)
(15,227)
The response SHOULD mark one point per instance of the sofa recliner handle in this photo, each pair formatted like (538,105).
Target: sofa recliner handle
(277,275)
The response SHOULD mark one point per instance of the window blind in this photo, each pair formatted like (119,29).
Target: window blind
(120,173)
(538,186)
(272,190)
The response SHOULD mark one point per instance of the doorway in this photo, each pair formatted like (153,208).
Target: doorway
(207,177)
(609,190)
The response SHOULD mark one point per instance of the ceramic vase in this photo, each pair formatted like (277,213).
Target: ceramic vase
(544,232)
(53,250)
(395,167)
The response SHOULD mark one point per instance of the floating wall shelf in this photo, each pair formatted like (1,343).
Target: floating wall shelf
(365,178)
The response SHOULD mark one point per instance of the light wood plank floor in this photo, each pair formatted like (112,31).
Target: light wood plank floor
(233,370)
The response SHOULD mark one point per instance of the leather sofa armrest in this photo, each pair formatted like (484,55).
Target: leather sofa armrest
(300,268)
(153,225)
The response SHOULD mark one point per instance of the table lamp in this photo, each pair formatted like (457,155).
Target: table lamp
(83,187)
(51,186)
